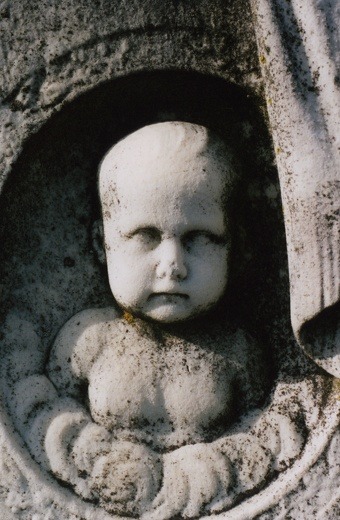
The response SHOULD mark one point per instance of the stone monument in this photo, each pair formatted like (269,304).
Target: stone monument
(160,358)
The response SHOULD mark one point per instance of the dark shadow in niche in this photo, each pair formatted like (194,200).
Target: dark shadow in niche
(49,268)
(49,202)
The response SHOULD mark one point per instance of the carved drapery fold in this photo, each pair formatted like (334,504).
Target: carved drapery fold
(299,55)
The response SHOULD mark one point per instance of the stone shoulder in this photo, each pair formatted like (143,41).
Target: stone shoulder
(77,346)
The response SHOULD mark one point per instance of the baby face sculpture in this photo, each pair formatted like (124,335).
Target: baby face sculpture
(163,193)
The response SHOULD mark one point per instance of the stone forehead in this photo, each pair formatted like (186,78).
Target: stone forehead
(156,150)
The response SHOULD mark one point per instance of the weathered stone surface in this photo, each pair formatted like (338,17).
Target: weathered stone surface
(79,75)
(300,60)
(52,53)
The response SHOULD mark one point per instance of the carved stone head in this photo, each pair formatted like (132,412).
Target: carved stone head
(164,191)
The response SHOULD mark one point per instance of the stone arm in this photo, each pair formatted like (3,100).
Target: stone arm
(51,413)
(50,410)
(209,477)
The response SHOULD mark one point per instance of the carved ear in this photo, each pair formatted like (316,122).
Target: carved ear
(98,240)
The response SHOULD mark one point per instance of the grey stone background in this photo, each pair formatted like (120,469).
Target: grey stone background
(77,75)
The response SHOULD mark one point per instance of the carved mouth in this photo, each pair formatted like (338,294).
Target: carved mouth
(169,295)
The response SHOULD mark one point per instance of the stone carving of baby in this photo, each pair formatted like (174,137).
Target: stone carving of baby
(135,410)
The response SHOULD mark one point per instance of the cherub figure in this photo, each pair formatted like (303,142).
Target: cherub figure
(138,400)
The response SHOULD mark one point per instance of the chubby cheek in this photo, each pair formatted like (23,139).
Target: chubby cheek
(130,278)
(209,276)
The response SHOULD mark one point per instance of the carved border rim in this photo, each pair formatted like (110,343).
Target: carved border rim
(317,442)
(259,503)
(287,481)
(61,84)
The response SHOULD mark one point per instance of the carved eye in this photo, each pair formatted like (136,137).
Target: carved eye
(195,240)
(148,237)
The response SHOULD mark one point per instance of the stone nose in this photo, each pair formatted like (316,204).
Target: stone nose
(170,261)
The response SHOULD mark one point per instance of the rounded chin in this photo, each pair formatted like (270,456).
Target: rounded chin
(164,318)
(157,316)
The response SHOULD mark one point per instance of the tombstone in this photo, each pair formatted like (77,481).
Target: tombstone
(169,261)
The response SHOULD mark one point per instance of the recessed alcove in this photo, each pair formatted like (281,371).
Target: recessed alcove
(49,204)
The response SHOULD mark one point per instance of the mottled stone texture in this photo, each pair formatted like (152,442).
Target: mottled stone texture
(51,52)
(299,53)
(78,75)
